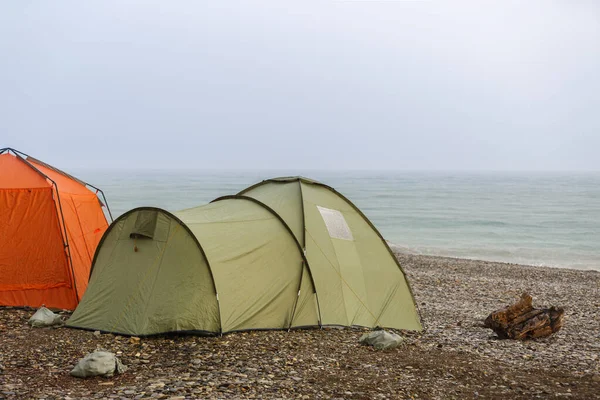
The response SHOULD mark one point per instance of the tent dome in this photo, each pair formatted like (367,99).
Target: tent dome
(285,253)
(50,224)
(357,278)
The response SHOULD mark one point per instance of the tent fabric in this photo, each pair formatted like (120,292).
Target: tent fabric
(14,176)
(36,266)
(226,266)
(357,278)
(264,259)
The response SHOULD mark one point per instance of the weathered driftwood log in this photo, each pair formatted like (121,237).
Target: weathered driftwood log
(521,321)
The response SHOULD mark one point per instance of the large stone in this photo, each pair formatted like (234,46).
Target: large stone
(99,363)
(44,317)
(381,340)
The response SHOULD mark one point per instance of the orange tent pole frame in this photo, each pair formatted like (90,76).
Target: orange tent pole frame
(98,190)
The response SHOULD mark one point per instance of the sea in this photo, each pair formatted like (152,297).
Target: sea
(543,219)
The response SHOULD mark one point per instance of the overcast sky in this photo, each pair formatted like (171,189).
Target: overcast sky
(403,85)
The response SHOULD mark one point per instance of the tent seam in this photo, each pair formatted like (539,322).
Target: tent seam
(81,228)
(286,226)
(368,221)
(61,218)
(304,249)
(345,282)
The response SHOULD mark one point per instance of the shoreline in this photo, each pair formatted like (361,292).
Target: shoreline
(455,357)
(403,250)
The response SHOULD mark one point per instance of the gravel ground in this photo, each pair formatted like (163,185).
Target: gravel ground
(455,358)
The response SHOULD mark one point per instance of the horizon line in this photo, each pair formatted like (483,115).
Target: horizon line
(296,169)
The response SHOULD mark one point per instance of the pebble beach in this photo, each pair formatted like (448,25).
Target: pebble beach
(456,357)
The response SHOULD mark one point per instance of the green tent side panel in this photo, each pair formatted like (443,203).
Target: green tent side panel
(145,286)
(307,309)
(256,262)
(339,280)
(286,199)
(353,284)
(325,269)
(376,292)
(357,279)
(185,295)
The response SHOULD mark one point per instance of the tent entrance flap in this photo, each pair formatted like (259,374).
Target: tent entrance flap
(145,225)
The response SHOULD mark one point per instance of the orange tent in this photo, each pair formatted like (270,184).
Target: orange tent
(50,225)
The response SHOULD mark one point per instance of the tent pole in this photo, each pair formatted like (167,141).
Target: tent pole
(104,197)
(64,173)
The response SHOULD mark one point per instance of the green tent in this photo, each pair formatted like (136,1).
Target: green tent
(285,253)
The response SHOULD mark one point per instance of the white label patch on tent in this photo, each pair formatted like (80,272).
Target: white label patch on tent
(335,223)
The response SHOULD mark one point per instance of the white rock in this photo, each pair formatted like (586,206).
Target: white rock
(44,317)
(381,340)
(98,363)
